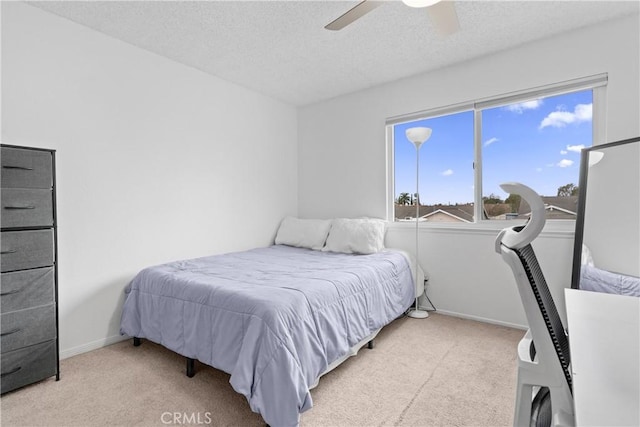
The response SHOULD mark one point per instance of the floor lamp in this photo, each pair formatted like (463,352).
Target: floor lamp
(417,136)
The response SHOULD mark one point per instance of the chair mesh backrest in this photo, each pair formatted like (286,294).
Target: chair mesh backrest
(547,308)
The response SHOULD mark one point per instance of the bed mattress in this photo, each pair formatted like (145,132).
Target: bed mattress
(274,318)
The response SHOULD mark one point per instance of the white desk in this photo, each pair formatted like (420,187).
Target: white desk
(604,340)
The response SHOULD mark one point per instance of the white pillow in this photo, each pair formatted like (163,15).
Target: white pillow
(303,233)
(586,258)
(359,236)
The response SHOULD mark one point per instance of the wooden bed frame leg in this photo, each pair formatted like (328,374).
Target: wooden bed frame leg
(370,345)
(191,367)
(136,341)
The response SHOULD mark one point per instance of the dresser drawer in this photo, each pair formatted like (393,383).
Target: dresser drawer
(28,288)
(26,208)
(23,168)
(27,327)
(21,250)
(28,365)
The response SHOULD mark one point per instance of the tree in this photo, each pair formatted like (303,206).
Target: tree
(514,201)
(492,199)
(495,209)
(568,190)
(404,199)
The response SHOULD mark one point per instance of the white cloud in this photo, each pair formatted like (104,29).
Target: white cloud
(448,172)
(564,163)
(538,169)
(563,152)
(560,118)
(520,107)
(584,112)
(575,148)
(490,141)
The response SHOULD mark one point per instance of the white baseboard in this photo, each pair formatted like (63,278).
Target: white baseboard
(483,319)
(93,345)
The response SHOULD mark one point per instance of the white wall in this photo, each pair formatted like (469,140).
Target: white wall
(342,164)
(155,161)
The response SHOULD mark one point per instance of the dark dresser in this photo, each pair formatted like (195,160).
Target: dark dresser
(29,280)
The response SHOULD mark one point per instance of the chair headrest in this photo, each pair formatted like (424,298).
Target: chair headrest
(518,237)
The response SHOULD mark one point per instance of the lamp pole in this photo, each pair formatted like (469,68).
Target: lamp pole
(417,136)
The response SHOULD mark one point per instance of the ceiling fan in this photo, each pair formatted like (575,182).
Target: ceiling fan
(442,13)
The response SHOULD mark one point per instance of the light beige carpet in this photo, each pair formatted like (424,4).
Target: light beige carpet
(433,372)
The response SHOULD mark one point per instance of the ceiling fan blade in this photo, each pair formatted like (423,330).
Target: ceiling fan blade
(352,14)
(444,17)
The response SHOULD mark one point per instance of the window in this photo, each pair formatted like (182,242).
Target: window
(538,143)
(534,138)
(446,170)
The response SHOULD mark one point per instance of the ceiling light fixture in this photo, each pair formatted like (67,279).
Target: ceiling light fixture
(420,3)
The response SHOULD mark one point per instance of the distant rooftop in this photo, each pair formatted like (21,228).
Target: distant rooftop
(556,207)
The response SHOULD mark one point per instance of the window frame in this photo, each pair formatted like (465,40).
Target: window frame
(597,83)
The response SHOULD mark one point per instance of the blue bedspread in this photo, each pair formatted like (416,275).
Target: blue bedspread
(274,318)
(597,280)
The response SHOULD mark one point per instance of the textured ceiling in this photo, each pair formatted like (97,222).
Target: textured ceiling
(280,48)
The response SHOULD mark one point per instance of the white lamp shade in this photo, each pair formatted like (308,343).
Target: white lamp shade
(420,3)
(418,135)
(595,157)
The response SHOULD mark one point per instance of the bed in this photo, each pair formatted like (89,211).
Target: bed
(274,318)
(595,279)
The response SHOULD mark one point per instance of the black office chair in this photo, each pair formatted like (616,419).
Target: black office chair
(544,395)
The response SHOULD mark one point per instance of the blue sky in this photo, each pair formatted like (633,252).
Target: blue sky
(536,142)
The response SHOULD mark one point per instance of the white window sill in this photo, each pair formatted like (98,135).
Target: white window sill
(560,228)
